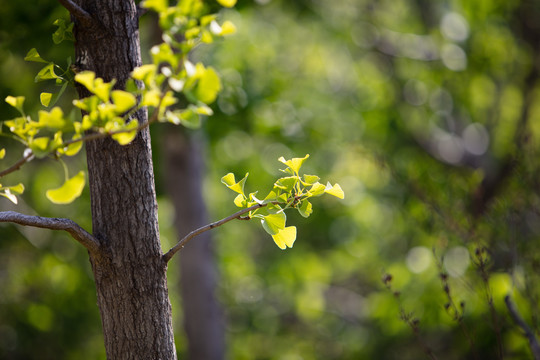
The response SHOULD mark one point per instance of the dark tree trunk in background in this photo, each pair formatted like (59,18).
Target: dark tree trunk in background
(203,320)
(130,274)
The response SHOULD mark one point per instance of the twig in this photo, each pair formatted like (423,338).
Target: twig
(79,13)
(18,164)
(180,244)
(529,334)
(78,233)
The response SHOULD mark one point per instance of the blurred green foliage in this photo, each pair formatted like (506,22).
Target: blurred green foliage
(424,111)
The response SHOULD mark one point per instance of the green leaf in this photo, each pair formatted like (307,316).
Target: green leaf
(231,183)
(33,55)
(103,89)
(286,183)
(68,192)
(208,87)
(144,73)
(128,131)
(46,73)
(240,201)
(295,163)
(63,32)
(74,148)
(16,102)
(40,147)
(45,98)
(86,78)
(285,237)
(227,3)
(309,179)
(53,120)
(123,100)
(17,189)
(274,223)
(305,209)
(156,5)
(316,189)
(334,190)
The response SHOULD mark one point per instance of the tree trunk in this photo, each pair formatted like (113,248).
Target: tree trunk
(203,321)
(130,274)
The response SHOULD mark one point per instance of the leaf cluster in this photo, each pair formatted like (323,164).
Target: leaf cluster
(290,192)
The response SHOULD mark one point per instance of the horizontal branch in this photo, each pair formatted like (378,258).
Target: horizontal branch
(79,13)
(26,158)
(180,244)
(533,341)
(78,233)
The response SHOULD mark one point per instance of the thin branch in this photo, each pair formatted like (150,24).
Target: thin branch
(78,233)
(180,244)
(529,334)
(79,13)
(26,158)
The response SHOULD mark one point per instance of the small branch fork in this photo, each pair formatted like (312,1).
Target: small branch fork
(78,233)
(180,244)
(529,334)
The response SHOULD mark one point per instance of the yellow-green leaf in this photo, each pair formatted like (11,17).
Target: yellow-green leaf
(231,183)
(73,148)
(316,189)
(68,192)
(156,5)
(227,28)
(53,119)
(17,189)
(123,100)
(208,87)
(295,163)
(227,3)
(285,238)
(274,223)
(2,153)
(86,78)
(40,146)
(33,55)
(240,201)
(305,209)
(334,190)
(45,98)
(9,195)
(46,73)
(16,102)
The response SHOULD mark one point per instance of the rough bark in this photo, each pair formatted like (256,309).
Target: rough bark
(203,320)
(130,274)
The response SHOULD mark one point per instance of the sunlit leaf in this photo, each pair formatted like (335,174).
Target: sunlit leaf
(208,87)
(334,190)
(103,89)
(6,193)
(285,237)
(286,183)
(227,3)
(53,120)
(295,163)
(156,5)
(316,189)
(86,78)
(231,183)
(227,28)
(68,192)
(16,102)
(123,100)
(46,73)
(40,147)
(45,98)
(2,153)
(240,201)
(17,189)
(274,223)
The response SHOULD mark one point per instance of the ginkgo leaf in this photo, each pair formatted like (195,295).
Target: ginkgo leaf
(295,163)
(316,189)
(17,102)
(123,100)
(227,28)
(274,223)
(68,192)
(334,190)
(305,209)
(45,98)
(285,238)
(231,183)
(6,193)
(33,55)
(2,153)
(86,78)
(227,3)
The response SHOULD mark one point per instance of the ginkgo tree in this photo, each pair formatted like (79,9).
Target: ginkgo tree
(116,91)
